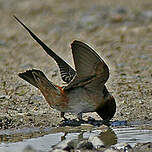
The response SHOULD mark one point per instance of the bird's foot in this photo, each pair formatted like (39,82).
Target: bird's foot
(107,123)
(63,116)
(82,121)
(70,123)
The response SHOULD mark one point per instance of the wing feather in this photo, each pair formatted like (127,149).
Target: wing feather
(91,70)
(66,71)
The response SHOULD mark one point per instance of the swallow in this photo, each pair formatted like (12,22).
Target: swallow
(85,90)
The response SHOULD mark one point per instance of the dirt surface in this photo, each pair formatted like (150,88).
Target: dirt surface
(120,31)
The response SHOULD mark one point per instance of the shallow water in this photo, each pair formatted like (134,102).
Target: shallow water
(44,139)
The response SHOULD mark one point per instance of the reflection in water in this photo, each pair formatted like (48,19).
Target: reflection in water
(44,139)
(108,137)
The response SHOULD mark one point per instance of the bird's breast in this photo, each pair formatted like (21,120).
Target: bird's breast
(82,100)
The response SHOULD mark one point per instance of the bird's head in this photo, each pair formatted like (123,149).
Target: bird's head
(108,109)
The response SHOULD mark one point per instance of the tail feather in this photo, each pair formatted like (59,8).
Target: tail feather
(29,77)
(36,78)
(50,91)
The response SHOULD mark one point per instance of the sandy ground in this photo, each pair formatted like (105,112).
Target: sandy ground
(120,31)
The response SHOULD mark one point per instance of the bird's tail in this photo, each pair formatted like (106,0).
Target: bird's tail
(39,80)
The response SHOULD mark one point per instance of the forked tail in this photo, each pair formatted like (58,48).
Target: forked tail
(37,79)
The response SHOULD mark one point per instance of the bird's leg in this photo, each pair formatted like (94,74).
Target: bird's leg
(64,136)
(62,115)
(79,116)
(107,122)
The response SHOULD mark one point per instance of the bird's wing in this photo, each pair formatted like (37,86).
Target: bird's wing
(90,68)
(66,71)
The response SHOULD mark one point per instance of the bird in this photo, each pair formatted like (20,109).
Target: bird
(85,90)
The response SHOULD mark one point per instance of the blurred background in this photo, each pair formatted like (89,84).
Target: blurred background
(120,31)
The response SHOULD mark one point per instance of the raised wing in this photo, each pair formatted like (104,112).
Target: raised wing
(66,71)
(90,68)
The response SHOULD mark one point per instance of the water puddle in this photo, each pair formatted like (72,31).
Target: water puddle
(44,139)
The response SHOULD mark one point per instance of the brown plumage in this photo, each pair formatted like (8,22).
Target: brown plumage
(86,90)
